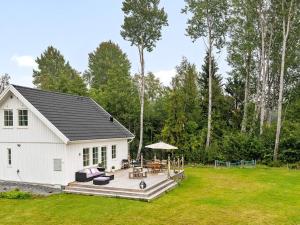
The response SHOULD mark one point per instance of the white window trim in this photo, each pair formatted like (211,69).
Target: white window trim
(107,154)
(115,152)
(92,155)
(3,115)
(22,127)
(89,158)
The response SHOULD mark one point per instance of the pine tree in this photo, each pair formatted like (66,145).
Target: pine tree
(55,74)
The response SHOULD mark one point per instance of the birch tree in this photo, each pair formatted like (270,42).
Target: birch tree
(209,20)
(142,27)
(241,47)
(288,11)
(4,82)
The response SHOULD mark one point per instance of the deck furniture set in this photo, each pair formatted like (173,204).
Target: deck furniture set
(93,174)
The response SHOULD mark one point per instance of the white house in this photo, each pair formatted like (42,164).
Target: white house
(45,137)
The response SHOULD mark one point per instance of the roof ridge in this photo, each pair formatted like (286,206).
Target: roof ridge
(48,91)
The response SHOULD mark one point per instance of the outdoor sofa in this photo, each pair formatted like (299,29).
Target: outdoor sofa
(88,174)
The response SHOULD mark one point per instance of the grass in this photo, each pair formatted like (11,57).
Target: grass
(207,196)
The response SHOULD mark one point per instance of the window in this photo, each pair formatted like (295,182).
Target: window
(113,151)
(103,156)
(8,118)
(86,157)
(57,164)
(9,156)
(95,155)
(23,118)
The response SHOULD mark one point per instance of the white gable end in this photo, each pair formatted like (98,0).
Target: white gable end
(36,131)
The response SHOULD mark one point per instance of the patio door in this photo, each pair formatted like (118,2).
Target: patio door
(104,156)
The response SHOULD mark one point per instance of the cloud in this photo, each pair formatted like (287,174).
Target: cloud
(24,61)
(165,76)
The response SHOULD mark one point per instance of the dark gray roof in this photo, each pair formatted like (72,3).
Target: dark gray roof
(77,117)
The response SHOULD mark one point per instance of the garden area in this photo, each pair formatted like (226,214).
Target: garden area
(262,195)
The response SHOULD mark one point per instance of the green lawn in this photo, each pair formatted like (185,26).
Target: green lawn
(206,196)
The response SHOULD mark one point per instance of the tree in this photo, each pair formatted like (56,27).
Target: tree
(111,83)
(106,61)
(142,27)
(4,82)
(209,19)
(289,11)
(184,113)
(243,41)
(55,74)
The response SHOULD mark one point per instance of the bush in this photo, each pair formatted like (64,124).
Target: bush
(239,146)
(15,194)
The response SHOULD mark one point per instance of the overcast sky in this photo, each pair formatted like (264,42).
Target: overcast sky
(76,28)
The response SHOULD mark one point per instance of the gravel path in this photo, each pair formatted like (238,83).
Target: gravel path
(32,188)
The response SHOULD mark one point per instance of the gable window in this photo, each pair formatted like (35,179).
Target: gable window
(23,118)
(8,118)
(113,151)
(9,156)
(86,157)
(95,156)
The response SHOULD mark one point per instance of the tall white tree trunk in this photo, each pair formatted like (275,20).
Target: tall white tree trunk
(142,99)
(263,86)
(246,93)
(285,33)
(209,91)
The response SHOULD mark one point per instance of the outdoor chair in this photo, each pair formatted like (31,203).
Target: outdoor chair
(125,164)
(137,173)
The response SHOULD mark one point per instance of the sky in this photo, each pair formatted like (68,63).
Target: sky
(77,27)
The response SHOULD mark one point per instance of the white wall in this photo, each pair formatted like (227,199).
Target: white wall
(38,146)
(35,163)
(35,132)
(75,155)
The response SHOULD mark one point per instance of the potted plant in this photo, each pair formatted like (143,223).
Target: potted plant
(113,168)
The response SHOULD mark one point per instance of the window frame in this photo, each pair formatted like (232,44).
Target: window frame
(104,155)
(9,157)
(55,169)
(95,152)
(8,118)
(21,118)
(86,157)
(114,151)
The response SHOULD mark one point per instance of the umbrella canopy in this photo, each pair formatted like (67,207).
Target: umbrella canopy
(161,145)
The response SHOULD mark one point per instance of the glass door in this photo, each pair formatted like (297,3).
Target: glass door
(104,157)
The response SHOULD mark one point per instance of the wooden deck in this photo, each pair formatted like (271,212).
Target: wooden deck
(123,187)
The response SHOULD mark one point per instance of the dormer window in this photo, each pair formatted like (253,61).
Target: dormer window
(8,118)
(23,118)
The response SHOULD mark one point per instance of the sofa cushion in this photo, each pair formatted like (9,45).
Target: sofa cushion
(87,171)
(95,170)
(102,178)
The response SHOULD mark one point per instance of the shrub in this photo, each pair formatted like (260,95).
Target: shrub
(239,146)
(15,194)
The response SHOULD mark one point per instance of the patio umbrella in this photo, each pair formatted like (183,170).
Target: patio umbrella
(161,145)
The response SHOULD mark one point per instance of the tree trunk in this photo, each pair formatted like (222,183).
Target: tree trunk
(285,33)
(245,114)
(209,92)
(263,77)
(142,93)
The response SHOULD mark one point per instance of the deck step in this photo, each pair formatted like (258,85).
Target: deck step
(150,194)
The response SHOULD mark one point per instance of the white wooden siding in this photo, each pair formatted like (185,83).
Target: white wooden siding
(35,147)
(75,155)
(36,131)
